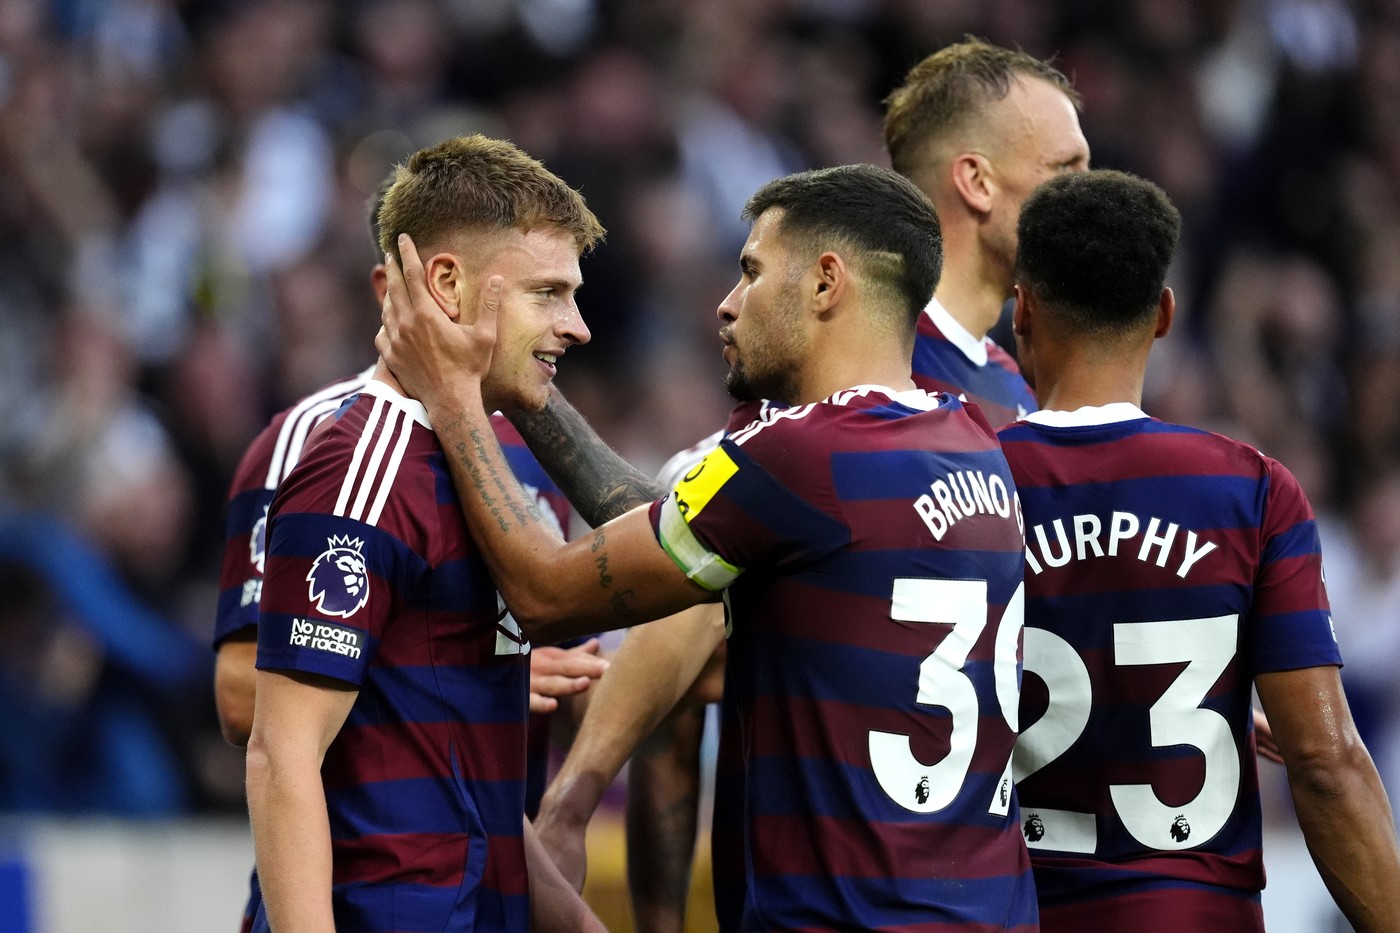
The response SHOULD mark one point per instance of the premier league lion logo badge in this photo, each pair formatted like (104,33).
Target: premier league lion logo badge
(921,790)
(1034,830)
(339,582)
(257,541)
(1181,830)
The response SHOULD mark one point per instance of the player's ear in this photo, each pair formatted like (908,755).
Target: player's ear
(829,281)
(1021,314)
(379,281)
(972,179)
(1166,311)
(446,281)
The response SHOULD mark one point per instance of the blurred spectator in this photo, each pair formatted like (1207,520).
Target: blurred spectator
(90,683)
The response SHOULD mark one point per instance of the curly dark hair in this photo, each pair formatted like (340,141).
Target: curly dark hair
(1095,247)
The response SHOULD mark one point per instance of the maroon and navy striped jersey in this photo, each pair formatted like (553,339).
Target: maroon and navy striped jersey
(949,359)
(870,546)
(373,579)
(267,461)
(1165,568)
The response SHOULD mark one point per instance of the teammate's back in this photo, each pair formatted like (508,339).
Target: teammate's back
(1166,567)
(871,660)
(1169,573)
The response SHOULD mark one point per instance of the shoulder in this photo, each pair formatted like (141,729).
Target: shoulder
(865,419)
(253,470)
(376,446)
(286,437)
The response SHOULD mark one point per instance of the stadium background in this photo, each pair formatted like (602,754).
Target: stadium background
(184,253)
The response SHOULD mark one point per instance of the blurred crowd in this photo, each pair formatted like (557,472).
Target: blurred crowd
(186,252)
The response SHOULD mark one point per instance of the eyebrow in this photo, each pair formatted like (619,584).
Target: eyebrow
(562,284)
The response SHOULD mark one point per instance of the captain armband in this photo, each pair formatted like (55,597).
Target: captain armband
(696,561)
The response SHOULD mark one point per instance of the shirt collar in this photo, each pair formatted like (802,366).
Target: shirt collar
(972,348)
(414,408)
(1112,413)
(915,398)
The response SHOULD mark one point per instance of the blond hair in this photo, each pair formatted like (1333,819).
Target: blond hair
(474,183)
(951,87)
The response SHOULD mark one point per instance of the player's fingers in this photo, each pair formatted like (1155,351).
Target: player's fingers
(592,646)
(489,305)
(412,264)
(582,661)
(558,685)
(394,294)
(539,703)
(581,665)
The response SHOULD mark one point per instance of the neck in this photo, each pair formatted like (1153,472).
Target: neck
(852,368)
(1090,376)
(972,288)
(383,374)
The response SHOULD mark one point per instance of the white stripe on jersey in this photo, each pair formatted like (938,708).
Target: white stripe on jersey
(780,414)
(296,444)
(301,419)
(366,484)
(387,431)
(348,486)
(390,471)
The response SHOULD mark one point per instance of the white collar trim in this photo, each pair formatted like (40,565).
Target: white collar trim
(972,348)
(1112,413)
(913,398)
(414,408)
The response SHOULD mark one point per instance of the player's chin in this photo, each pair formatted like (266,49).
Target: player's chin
(533,397)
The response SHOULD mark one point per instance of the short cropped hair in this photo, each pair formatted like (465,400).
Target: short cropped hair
(886,226)
(373,206)
(952,87)
(1095,247)
(476,183)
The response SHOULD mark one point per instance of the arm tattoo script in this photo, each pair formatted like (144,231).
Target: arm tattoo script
(620,600)
(599,483)
(500,492)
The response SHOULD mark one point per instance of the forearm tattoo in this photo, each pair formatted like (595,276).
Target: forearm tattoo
(598,482)
(500,491)
(621,599)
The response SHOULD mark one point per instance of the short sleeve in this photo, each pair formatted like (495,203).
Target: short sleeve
(327,595)
(728,514)
(1292,617)
(245,542)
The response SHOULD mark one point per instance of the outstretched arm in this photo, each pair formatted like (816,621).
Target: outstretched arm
(596,481)
(1342,807)
(651,671)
